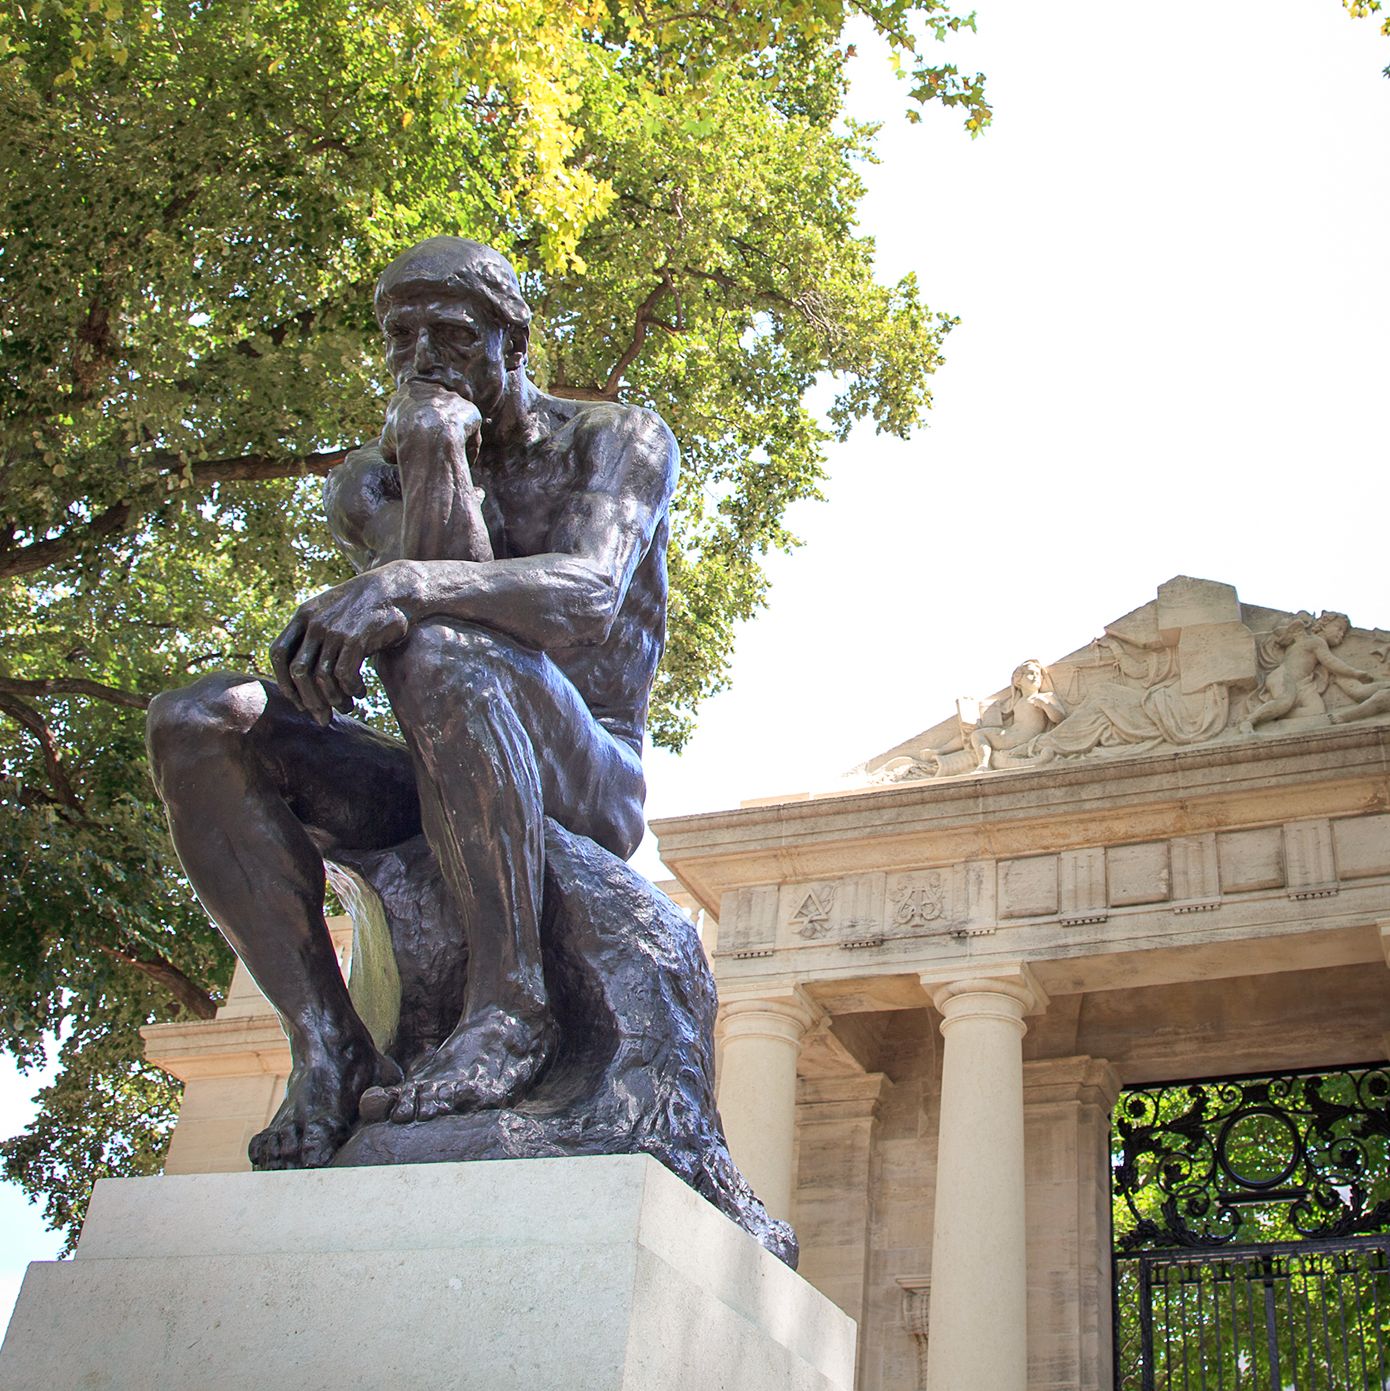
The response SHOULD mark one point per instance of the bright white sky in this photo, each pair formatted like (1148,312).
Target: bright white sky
(1174,358)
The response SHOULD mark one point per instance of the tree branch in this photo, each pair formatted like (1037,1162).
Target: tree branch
(644,317)
(186,991)
(121,516)
(73,685)
(25,715)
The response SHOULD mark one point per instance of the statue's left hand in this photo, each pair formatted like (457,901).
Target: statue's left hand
(318,658)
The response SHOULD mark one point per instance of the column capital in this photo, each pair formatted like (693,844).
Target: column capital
(960,991)
(783,1014)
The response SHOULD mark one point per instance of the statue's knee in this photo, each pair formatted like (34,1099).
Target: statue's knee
(442,672)
(214,709)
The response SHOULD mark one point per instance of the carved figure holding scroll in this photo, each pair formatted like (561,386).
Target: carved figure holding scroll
(1031,708)
(512,597)
(1302,661)
(1007,727)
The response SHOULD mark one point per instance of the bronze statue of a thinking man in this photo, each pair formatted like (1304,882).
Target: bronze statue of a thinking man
(512,596)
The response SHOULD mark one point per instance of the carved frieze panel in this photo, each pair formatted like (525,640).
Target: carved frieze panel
(954,900)
(841,912)
(1196,873)
(861,912)
(1361,845)
(1138,873)
(748,922)
(1081,886)
(917,901)
(1251,860)
(1028,888)
(1312,872)
(812,910)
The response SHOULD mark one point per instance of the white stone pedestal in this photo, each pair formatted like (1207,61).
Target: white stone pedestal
(604,1274)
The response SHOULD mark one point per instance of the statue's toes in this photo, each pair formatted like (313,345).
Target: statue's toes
(437,1101)
(377,1103)
(319,1146)
(273,1149)
(407,1106)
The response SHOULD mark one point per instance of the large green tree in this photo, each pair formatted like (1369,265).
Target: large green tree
(196,197)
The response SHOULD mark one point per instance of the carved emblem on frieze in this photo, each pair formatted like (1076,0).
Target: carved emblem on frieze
(918,901)
(811,919)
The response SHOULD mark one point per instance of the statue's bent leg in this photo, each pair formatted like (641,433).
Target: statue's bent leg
(244,776)
(500,739)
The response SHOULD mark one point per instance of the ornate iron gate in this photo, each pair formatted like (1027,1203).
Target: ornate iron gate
(1252,1233)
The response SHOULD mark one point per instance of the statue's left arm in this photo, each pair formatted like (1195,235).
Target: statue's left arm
(567,596)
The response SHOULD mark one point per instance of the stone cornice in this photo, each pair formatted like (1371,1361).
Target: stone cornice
(1228,783)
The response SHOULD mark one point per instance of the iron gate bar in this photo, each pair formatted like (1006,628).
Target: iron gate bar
(1271,1338)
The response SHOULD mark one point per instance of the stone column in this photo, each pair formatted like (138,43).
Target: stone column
(979,1291)
(757,1089)
(836,1121)
(1066,1110)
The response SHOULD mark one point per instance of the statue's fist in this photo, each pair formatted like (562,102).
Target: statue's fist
(422,411)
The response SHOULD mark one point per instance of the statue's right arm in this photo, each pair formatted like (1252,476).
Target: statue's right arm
(362,501)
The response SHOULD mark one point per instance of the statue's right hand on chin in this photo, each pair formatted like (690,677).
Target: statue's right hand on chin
(425,409)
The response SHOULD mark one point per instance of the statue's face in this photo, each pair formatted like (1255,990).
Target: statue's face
(1029,677)
(447,340)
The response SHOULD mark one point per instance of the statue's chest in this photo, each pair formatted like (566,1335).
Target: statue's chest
(522,507)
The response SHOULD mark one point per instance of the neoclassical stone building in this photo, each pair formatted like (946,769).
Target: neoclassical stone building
(1163,857)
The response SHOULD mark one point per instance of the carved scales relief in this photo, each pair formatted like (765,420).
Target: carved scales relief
(917,903)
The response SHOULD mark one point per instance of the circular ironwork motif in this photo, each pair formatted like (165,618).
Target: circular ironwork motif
(1259,1147)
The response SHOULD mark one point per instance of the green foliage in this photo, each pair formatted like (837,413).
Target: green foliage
(196,198)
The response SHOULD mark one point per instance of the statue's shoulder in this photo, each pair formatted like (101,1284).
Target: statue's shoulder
(611,420)
(610,430)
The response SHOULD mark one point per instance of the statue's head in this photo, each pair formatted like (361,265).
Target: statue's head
(1332,627)
(1029,677)
(452,312)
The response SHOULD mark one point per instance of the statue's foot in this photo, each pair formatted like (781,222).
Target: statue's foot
(319,1109)
(488,1061)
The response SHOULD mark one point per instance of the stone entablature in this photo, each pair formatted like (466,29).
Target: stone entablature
(1088,869)
(1303,859)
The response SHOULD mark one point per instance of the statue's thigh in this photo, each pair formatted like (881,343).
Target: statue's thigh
(351,785)
(449,680)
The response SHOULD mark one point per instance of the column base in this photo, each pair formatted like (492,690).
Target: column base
(591,1274)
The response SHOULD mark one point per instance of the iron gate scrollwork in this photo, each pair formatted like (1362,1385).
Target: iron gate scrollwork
(1252,1233)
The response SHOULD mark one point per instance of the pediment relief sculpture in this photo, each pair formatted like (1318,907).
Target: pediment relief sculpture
(1193,666)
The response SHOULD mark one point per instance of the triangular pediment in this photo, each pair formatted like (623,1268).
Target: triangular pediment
(1193,666)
